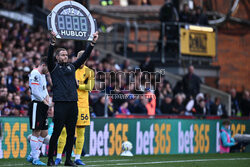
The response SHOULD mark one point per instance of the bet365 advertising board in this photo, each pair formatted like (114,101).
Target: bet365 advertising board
(104,137)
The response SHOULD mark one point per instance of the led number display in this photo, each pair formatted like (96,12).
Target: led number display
(71,20)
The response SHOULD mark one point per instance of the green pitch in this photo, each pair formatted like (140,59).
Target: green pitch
(181,160)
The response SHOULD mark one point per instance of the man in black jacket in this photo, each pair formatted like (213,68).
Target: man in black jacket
(218,108)
(64,95)
(191,83)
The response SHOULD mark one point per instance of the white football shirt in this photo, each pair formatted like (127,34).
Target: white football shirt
(38,85)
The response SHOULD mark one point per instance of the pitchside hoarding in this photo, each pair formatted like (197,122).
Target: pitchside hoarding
(104,137)
(158,136)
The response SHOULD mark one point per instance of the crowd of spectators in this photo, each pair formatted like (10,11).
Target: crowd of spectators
(12,5)
(22,46)
(169,16)
(168,13)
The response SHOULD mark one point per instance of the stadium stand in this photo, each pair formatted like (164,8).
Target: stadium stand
(22,46)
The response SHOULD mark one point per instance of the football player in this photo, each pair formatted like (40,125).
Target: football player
(38,111)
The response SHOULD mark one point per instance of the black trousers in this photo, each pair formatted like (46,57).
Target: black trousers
(65,113)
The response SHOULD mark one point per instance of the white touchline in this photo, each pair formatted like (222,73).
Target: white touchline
(24,164)
(145,163)
(109,160)
(16,164)
(165,162)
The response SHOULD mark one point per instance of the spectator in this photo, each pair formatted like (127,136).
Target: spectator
(10,99)
(218,108)
(123,109)
(168,12)
(235,104)
(198,98)
(3,91)
(8,71)
(14,86)
(106,65)
(141,106)
(167,89)
(118,100)
(6,111)
(17,100)
(191,83)
(3,81)
(3,102)
(226,141)
(147,65)
(200,108)
(178,88)
(185,16)
(15,112)
(131,103)
(151,104)
(167,106)
(178,107)
(168,15)
(99,107)
(126,65)
(245,104)
(159,95)
(200,18)
(190,107)
(209,103)
(19,107)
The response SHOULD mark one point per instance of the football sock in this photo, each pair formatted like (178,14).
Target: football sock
(40,141)
(34,145)
(77,156)
(59,156)
(61,141)
(79,141)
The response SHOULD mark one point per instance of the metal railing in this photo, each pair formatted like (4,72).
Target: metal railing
(121,33)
